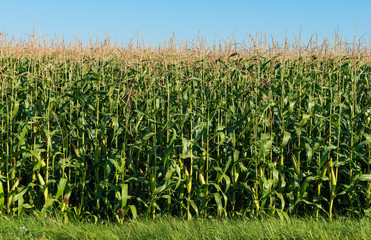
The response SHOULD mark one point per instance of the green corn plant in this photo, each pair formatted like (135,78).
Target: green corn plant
(188,131)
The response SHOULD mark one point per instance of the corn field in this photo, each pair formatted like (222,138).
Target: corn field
(115,132)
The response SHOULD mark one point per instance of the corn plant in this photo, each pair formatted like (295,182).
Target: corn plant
(112,132)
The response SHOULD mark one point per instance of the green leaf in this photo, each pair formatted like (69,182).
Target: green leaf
(148,136)
(265,145)
(365,178)
(304,120)
(309,151)
(15,110)
(47,205)
(193,204)
(219,204)
(286,138)
(61,187)
(124,194)
(133,210)
(324,158)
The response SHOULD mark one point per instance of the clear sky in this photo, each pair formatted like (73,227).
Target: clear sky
(155,21)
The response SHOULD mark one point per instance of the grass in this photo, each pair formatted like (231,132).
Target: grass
(173,228)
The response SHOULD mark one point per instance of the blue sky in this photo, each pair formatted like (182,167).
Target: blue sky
(216,20)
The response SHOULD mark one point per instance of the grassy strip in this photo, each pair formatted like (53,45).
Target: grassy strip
(172,228)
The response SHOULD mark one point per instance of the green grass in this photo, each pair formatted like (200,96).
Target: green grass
(173,228)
